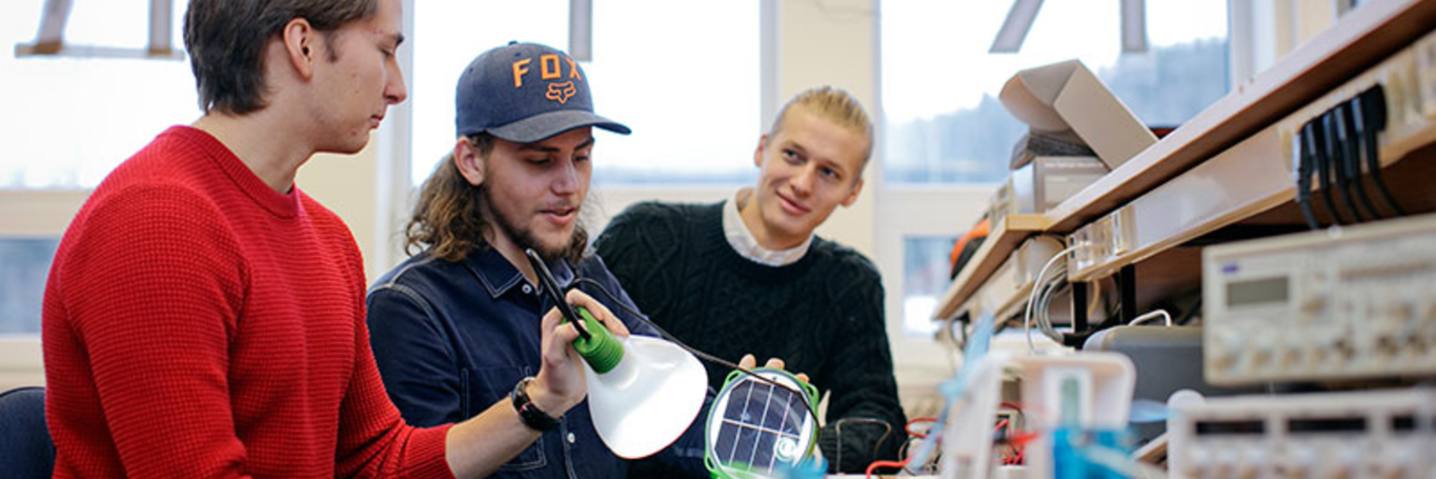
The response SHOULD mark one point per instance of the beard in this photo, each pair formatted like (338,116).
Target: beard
(517,231)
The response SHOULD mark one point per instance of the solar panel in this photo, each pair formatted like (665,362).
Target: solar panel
(762,428)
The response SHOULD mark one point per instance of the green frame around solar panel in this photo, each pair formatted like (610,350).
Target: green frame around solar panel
(791,443)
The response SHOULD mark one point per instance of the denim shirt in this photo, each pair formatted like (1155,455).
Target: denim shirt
(453,338)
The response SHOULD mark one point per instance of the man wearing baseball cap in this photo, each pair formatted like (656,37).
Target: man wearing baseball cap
(456,326)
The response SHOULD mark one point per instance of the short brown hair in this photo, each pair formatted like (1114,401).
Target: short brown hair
(834,104)
(448,219)
(226,38)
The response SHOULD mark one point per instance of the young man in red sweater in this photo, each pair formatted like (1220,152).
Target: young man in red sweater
(205,318)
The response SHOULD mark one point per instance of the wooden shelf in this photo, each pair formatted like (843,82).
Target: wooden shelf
(1360,40)
(1252,177)
(1001,241)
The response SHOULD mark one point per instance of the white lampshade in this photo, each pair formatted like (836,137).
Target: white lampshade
(648,400)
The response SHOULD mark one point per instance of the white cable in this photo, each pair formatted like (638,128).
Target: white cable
(1152,314)
(1049,287)
(1096,300)
(1044,303)
(1036,285)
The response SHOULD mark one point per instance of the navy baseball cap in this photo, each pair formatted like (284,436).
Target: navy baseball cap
(525,92)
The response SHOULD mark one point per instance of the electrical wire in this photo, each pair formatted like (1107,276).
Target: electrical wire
(1018,450)
(1368,111)
(957,388)
(902,450)
(1301,169)
(868,474)
(1117,299)
(917,420)
(1374,166)
(1152,314)
(1031,298)
(1316,140)
(1056,286)
(1335,135)
(1044,305)
(838,430)
(1017,443)
(1351,156)
(1095,302)
(550,287)
(906,446)
(1053,287)
(1021,416)
(1000,429)
(708,357)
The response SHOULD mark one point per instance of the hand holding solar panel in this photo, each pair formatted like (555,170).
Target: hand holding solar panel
(761,429)
(749,361)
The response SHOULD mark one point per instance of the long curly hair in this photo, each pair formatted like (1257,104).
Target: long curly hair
(449,219)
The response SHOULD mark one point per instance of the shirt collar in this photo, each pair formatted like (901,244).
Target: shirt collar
(742,241)
(498,275)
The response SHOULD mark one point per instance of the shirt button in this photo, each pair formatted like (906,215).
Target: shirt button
(528,289)
(571,438)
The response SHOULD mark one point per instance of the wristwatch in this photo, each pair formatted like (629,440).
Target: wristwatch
(528,412)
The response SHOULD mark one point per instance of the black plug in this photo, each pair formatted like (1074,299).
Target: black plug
(1351,159)
(1353,147)
(1330,122)
(1315,138)
(1368,114)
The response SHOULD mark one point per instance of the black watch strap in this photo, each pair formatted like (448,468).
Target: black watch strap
(528,412)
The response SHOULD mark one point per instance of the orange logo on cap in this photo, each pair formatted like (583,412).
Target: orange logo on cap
(550,68)
(560,92)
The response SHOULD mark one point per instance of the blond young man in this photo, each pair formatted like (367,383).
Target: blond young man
(749,274)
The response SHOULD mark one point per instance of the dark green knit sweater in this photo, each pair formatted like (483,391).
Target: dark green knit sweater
(823,315)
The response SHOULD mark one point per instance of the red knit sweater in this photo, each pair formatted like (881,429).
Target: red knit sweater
(199,324)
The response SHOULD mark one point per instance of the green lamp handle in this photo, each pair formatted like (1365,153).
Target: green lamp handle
(601,349)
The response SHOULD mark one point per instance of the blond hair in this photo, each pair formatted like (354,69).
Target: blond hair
(835,105)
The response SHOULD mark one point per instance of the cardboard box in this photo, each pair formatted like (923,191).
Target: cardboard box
(1067,96)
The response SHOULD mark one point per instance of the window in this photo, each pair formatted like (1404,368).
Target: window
(71,120)
(22,282)
(447,36)
(925,280)
(947,140)
(943,121)
(689,90)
